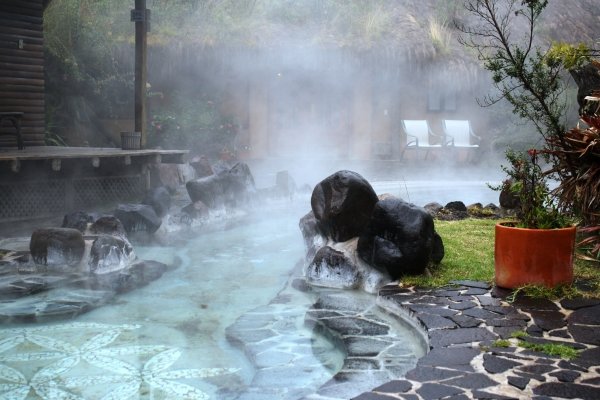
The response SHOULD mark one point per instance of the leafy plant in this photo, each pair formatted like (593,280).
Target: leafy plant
(536,206)
(520,73)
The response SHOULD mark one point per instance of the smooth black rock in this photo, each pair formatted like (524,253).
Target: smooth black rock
(397,386)
(567,390)
(57,246)
(586,316)
(526,303)
(480,313)
(138,218)
(561,333)
(566,376)
(475,291)
(575,304)
(455,358)
(483,395)
(518,381)
(430,391)
(548,320)
(372,396)
(435,321)
(535,331)
(495,365)
(516,324)
(108,225)
(472,381)
(424,373)
(431,309)
(342,204)
(77,220)
(507,198)
(463,305)
(585,334)
(399,239)
(473,284)
(488,301)
(587,358)
(456,206)
(536,369)
(458,336)
(465,322)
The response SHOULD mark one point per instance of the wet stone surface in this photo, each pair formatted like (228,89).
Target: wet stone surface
(370,351)
(463,324)
(31,293)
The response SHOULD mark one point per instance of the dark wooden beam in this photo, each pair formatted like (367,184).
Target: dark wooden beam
(141,28)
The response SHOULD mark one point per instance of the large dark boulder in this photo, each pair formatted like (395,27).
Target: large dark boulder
(400,239)
(331,268)
(77,220)
(158,198)
(57,246)
(110,253)
(138,218)
(108,225)
(342,204)
(230,187)
(508,199)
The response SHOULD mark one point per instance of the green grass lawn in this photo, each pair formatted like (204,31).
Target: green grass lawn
(469,254)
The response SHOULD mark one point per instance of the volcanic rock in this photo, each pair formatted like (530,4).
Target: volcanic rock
(57,246)
(400,239)
(342,204)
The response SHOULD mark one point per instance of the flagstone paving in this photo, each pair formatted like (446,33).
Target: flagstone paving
(464,322)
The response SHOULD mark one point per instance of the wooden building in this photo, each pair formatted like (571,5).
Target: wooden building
(22,69)
(49,181)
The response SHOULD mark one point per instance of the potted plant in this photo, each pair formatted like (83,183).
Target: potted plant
(538,248)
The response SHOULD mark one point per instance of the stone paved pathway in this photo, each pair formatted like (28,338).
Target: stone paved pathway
(465,321)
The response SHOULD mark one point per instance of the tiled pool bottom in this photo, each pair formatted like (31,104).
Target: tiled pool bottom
(219,326)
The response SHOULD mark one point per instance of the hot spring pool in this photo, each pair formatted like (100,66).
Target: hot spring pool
(168,340)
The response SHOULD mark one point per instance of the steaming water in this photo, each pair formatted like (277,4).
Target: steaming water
(167,340)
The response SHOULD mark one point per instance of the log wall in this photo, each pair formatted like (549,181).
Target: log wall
(22,68)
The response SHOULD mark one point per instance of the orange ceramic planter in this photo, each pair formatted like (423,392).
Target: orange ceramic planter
(533,256)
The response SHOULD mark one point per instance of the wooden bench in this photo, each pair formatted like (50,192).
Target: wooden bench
(15,119)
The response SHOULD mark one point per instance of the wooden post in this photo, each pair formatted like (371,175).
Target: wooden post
(140,16)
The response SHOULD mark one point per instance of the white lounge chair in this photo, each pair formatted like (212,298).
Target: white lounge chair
(460,134)
(418,136)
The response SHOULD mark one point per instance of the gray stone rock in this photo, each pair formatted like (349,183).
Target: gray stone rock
(567,390)
(314,239)
(495,365)
(331,268)
(138,218)
(231,187)
(57,246)
(108,225)
(109,254)
(77,220)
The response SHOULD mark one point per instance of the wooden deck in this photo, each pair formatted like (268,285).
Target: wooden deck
(95,155)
